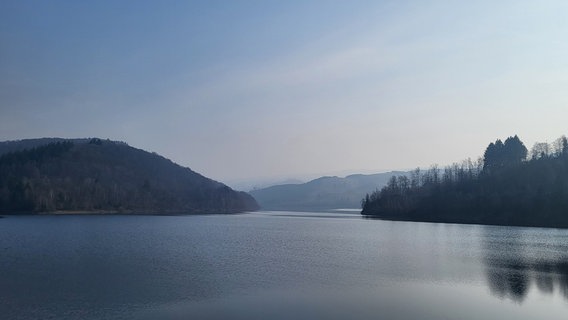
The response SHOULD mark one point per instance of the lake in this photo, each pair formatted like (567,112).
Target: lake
(277,265)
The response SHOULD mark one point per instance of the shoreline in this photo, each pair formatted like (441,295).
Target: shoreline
(117,213)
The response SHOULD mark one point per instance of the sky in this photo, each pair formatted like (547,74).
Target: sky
(258,90)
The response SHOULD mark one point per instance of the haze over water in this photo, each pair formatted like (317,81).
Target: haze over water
(277,264)
(252,92)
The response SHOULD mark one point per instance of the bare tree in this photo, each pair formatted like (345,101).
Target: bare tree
(540,150)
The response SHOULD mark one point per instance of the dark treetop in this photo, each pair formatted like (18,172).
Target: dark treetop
(94,175)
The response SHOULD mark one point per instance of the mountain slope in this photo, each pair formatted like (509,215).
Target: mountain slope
(105,176)
(321,194)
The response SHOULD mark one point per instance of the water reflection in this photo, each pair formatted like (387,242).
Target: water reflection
(516,263)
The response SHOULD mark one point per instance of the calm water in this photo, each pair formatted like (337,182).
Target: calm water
(277,265)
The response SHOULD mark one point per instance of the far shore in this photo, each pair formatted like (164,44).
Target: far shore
(77,212)
(116,212)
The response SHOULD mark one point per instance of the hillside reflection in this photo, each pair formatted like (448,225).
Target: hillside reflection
(515,264)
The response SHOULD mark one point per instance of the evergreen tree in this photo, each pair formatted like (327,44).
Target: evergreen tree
(493,156)
(514,150)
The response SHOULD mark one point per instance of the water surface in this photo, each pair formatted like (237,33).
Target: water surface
(278,265)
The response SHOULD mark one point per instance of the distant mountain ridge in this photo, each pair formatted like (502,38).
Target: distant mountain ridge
(94,175)
(325,193)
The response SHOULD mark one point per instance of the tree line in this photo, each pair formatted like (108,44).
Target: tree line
(510,185)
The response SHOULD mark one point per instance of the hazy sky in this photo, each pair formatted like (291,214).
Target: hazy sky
(242,90)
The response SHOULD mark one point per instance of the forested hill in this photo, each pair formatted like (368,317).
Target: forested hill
(20,145)
(321,194)
(509,186)
(94,175)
